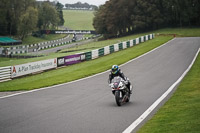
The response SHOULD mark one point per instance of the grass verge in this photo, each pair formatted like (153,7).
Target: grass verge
(180,32)
(81,70)
(181,113)
(45,38)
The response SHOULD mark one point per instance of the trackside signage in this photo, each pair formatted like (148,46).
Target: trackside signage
(71,59)
(24,69)
(67,32)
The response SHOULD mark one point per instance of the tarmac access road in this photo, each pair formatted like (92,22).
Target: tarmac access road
(31,49)
(56,49)
(88,106)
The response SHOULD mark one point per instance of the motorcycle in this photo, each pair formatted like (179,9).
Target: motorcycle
(120,90)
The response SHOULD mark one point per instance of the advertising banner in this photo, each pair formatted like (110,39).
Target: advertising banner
(71,59)
(67,32)
(24,69)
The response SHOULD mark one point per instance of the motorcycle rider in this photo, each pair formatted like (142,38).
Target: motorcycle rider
(115,71)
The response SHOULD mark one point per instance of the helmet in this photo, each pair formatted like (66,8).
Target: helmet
(115,69)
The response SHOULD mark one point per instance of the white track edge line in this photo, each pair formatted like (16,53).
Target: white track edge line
(85,77)
(159,100)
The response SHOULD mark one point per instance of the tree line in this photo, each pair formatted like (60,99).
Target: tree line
(21,17)
(80,5)
(122,17)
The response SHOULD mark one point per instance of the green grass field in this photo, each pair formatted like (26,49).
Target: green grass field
(45,38)
(181,32)
(78,19)
(181,113)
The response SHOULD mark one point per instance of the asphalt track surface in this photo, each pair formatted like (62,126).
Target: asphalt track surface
(88,106)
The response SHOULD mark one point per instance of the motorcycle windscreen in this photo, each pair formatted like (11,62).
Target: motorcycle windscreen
(116,81)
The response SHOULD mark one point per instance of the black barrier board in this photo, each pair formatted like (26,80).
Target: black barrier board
(60,61)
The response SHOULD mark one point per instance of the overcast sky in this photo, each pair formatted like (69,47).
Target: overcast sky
(93,2)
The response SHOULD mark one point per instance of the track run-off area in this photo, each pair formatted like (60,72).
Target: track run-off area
(88,105)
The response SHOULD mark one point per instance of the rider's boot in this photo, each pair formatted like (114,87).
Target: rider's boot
(130,88)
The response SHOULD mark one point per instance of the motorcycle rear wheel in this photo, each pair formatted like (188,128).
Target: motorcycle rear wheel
(128,99)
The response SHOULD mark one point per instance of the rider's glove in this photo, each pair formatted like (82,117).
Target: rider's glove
(126,82)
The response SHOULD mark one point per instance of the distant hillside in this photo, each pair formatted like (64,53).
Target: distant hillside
(80,6)
(78,20)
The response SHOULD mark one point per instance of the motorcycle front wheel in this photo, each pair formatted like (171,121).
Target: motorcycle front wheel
(118,98)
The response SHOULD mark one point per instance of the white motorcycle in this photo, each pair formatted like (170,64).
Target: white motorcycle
(120,90)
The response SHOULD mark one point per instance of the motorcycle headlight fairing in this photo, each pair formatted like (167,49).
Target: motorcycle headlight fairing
(121,85)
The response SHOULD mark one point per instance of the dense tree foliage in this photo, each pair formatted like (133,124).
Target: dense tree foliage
(80,5)
(21,17)
(59,8)
(121,17)
(48,16)
(27,22)
(10,13)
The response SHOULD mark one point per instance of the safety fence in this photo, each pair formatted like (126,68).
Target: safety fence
(5,73)
(116,47)
(39,66)
(33,47)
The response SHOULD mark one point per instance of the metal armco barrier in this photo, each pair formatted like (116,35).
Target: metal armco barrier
(32,47)
(120,46)
(128,44)
(112,49)
(95,54)
(101,52)
(106,50)
(5,73)
(88,55)
(116,47)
